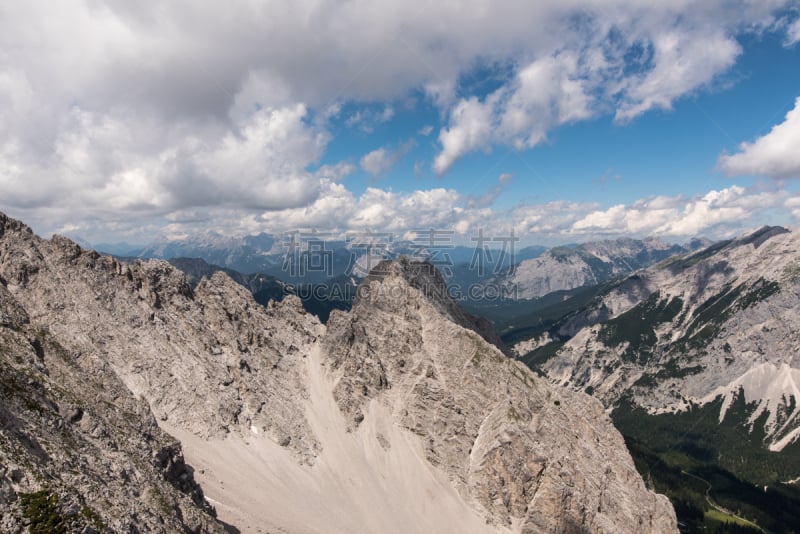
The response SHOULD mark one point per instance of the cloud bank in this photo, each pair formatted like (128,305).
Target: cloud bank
(120,114)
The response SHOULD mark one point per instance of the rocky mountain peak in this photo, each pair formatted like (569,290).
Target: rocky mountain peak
(695,329)
(7,224)
(387,280)
(79,452)
(387,286)
(402,353)
(357,426)
(760,236)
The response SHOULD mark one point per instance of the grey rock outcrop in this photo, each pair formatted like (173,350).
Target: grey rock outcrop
(212,365)
(78,452)
(567,268)
(720,323)
(207,360)
(544,460)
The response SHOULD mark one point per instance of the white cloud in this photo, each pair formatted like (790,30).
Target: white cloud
(118,112)
(630,58)
(793,205)
(575,84)
(104,163)
(471,128)
(261,168)
(378,161)
(368,119)
(425,131)
(335,172)
(545,93)
(776,154)
(381,160)
(439,208)
(715,214)
(793,33)
(683,61)
(732,207)
(375,209)
(551,221)
(387,114)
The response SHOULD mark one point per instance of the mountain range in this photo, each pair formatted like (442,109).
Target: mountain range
(133,401)
(324,272)
(313,257)
(565,268)
(695,357)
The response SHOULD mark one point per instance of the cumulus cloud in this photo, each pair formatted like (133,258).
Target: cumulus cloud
(381,160)
(683,61)
(378,161)
(681,217)
(102,162)
(551,220)
(113,111)
(775,154)
(335,172)
(715,214)
(375,209)
(546,93)
(471,128)
(793,205)
(629,59)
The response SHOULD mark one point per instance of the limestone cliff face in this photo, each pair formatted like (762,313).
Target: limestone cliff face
(208,360)
(533,457)
(78,452)
(406,370)
(566,268)
(717,325)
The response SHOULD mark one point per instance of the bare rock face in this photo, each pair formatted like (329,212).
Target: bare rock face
(78,452)
(425,278)
(403,388)
(718,324)
(566,268)
(533,457)
(208,360)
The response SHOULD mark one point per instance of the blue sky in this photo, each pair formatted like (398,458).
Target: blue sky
(663,152)
(565,122)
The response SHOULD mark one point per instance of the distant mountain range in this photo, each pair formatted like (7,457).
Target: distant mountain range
(318,299)
(698,360)
(570,267)
(689,346)
(398,416)
(479,277)
(317,257)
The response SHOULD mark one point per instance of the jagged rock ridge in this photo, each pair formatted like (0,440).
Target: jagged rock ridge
(720,323)
(78,451)
(566,268)
(357,426)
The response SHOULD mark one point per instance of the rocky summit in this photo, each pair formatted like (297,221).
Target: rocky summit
(706,328)
(566,268)
(133,402)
